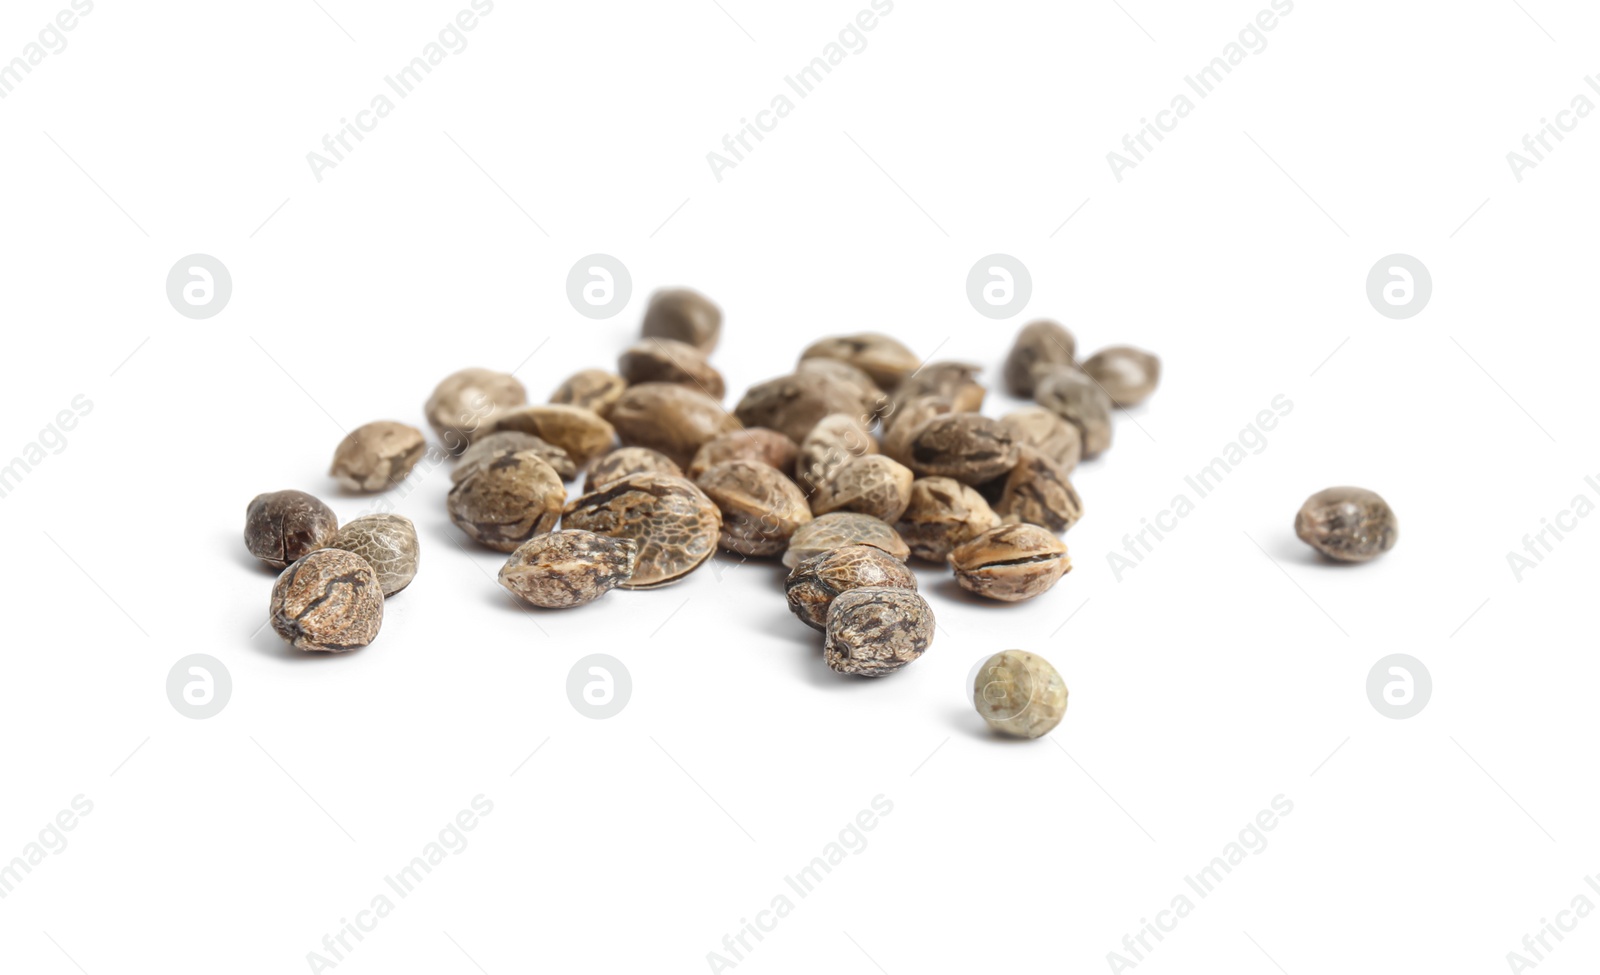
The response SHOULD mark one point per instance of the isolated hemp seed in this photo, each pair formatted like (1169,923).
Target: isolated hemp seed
(1010,563)
(843,528)
(563,569)
(684,315)
(282,526)
(876,630)
(388,543)
(1128,375)
(1347,524)
(813,585)
(328,601)
(1020,694)
(376,456)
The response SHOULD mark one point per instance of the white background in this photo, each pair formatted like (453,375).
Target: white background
(1206,682)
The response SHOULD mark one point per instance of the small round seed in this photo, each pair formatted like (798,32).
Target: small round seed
(1080,401)
(495,445)
(508,501)
(1020,694)
(876,630)
(582,433)
(283,526)
(563,569)
(673,523)
(1010,563)
(870,485)
(756,443)
(591,389)
(971,448)
(464,402)
(675,420)
(1039,428)
(375,456)
(943,513)
(660,360)
(840,529)
(835,439)
(329,601)
(628,460)
(813,585)
(388,543)
(1128,375)
(1039,346)
(684,315)
(1347,524)
(885,359)
(761,508)
(1037,492)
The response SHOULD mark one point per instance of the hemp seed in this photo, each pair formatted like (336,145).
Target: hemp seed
(1039,346)
(495,445)
(756,443)
(670,361)
(1049,434)
(1020,694)
(813,585)
(464,402)
(508,501)
(1080,401)
(1347,524)
(563,569)
(843,528)
(672,522)
(835,439)
(1128,375)
(284,526)
(1010,563)
(969,447)
(582,433)
(761,508)
(943,513)
(1037,492)
(376,456)
(591,389)
(684,315)
(675,420)
(328,601)
(876,630)
(885,359)
(870,485)
(623,461)
(388,543)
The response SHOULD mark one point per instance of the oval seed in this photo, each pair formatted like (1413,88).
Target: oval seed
(283,526)
(328,601)
(508,501)
(813,585)
(843,528)
(563,569)
(388,543)
(464,402)
(672,522)
(761,508)
(876,630)
(1347,524)
(1010,563)
(1020,694)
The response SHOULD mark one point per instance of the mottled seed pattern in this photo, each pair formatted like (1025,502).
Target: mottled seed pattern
(675,420)
(813,585)
(1019,694)
(792,405)
(1347,524)
(375,456)
(870,485)
(563,569)
(1010,563)
(684,315)
(761,508)
(282,526)
(876,630)
(671,361)
(971,448)
(508,501)
(389,544)
(628,460)
(1044,431)
(591,389)
(955,382)
(840,529)
(757,443)
(496,445)
(1128,375)
(835,439)
(1038,492)
(583,434)
(328,601)
(942,514)
(1039,346)
(1080,401)
(901,427)
(464,402)
(885,359)
(673,523)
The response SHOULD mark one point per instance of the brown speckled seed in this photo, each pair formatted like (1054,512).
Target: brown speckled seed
(1020,694)
(582,433)
(835,439)
(1038,492)
(1080,401)
(757,443)
(1039,428)
(628,460)
(1010,563)
(856,380)
(792,405)
(813,585)
(329,601)
(563,569)
(943,513)
(508,501)
(840,529)
(870,485)
(1039,346)
(675,420)
(971,448)
(673,523)
(761,507)
(956,382)
(875,631)
(1128,375)
(495,445)
(885,359)
(591,389)
(464,402)
(388,543)
(902,426)
(283,526)
(671,361)
(377,455)
(684,315)
(1347,524)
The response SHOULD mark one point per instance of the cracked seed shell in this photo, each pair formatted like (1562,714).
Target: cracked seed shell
(508,501)
(376,456)
(1128,375)
(942,514)
(1010,563)
(1347,524)
(673,523)
(1038,492)
(582,433)
(494,445)
(754,443)
(761,508)
(971,448)
(328,601)
(567,568)
(675,420)
(628,460)
(1019,694)
(876,630)
(840,529)
(388,543)
(1039,428)
(282,526)
(1080,401)
(464,402)
(871,484)
(813,585)
(684,315)
(671,361)
(885,359)
(590,389)
(1040,346)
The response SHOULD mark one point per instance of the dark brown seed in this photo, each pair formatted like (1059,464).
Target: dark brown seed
(813,585)
(956,382)
(792,405)
(628,460)
(591,389)
(840,529)
(675,420)
(283,526)
(870,485)
(1039,346)
(329,601)
(758,444)
(1039,428)
(671,361)
(942,514)
(1037,492)
(885,359)
(495,445)
(1080,401)
(1347,524)
(673,523)
(1128,375)
(376,456)
(582,433)
(875,631)
(835,439)
(684,315)
(563,569)
(464,402)
(761,508)
(508,501)
(971,448)
(388,543)
(1010,563)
